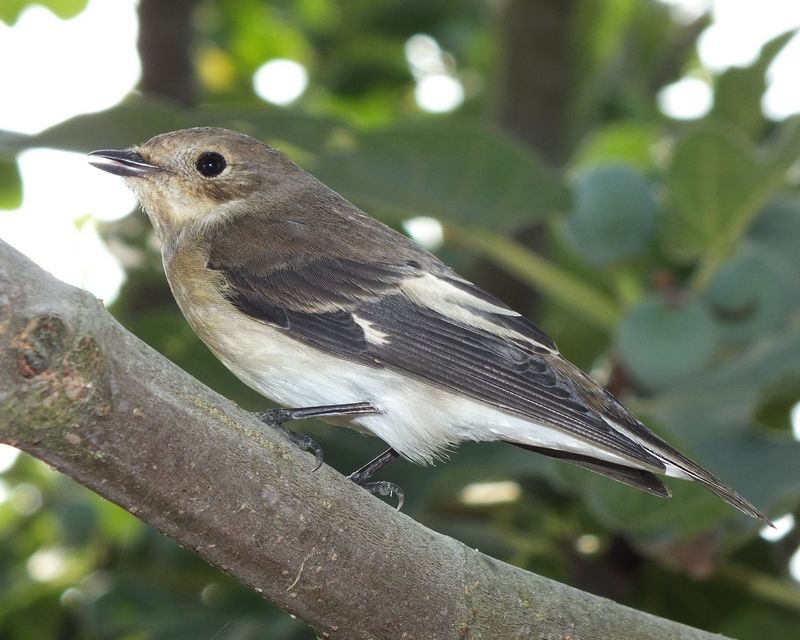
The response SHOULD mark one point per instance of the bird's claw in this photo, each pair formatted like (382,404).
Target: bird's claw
(385,489)
(306,443)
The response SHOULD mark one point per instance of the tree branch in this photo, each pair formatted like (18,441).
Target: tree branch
(80,392)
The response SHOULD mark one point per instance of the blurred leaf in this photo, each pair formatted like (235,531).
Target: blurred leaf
(774,410)
(778,227)
(613,214)
(11,9)
(137,120)
(461,173)
(754,293)
(710,181)
(662,342)
(629,143)
(122,126)
(759,621)
(713,414)
(709,416)
(10,185)
(737,98)
(730,220)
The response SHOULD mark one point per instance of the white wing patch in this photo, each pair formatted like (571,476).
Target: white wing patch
(452,302)
(371,334)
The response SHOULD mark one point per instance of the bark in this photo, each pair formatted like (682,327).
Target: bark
(81,393)
(165,37)
(534,81)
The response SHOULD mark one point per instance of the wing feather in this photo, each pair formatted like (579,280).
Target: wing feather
(516,375)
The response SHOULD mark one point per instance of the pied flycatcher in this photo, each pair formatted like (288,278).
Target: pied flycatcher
(310,301)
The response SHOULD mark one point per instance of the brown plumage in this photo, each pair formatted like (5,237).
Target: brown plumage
(310,301)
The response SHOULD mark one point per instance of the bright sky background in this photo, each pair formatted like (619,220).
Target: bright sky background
(55,69)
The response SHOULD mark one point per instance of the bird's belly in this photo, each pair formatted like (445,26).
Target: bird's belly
(412,419)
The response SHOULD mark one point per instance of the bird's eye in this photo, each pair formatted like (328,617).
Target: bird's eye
(210,164)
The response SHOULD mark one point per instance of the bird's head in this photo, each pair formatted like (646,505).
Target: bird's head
(198,176)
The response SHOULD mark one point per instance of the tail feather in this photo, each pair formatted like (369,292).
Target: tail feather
(637,478)
(649,482)
(709,481)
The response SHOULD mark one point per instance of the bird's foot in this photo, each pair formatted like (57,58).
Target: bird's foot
(385,489)
(363,478)
(278,417)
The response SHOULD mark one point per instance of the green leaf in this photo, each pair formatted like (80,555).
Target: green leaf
(713,414)
(10,10)
(629,143)
(778,227)
(710,417)
(137,120)
(461,173)
(776,160)
(129,123)
(737,98)
(613,214)
(710,180)
(660,342)
(10,185)
(754,293)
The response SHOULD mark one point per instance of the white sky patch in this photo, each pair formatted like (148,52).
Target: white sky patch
(794,419)
(280,81)
(739,29)
(687,99)
(62,68)
(8,456)
(425,231)
(782,98)
(688,10)
(56,224)
(57,68)
(734,38)
(783,525)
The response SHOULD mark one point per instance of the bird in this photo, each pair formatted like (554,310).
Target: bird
(332,314)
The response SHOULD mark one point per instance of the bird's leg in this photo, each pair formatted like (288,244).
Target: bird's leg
(277,418)
(363,477)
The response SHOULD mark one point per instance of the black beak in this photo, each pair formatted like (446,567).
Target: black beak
(125,163)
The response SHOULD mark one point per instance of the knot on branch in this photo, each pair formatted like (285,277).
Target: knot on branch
(40,342)
(63,372)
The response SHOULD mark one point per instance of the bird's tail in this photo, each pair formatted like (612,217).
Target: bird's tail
(649,482)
